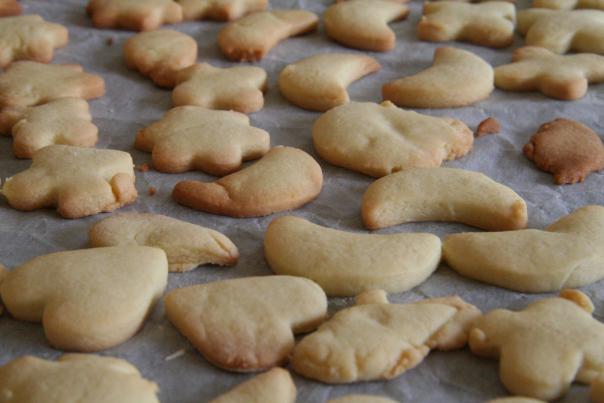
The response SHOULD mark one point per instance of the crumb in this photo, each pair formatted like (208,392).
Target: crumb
(152,191)
(488,126)
(109,41)
(175,355)
(143,167)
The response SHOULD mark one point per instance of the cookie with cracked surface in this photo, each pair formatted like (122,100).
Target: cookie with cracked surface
(134,15)
(274,386)
(220,10)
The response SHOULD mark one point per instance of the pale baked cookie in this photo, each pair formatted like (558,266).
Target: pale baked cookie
(237,88)
(442,194)
(597,389)
(253,36)
(247,324)
(319,82)
(220,10)
(284,179)
(568,4)
(186,245)
(274,386)
(87,299)
(160,54)
(379,139)
(515,399)
(545,347)
(77,181)
(30,83)
(74,377)
(9,7)
(381,341)
(568,253)
(63,121)
(191,138)
(135,15)
(456,78)
(563,31)
(363,24)
(361,399)
(344,263)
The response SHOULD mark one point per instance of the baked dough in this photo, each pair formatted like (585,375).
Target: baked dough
(274,386)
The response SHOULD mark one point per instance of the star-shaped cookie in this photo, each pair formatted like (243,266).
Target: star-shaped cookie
(220,10)
(135,15)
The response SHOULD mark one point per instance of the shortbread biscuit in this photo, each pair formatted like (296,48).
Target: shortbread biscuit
(379,139)
(247,324)
(568,4)
(135,15)
(29,37)
(381,341)
(456,78)
(284,179)
(74,377)
(63,121)
(160,54)
(565,254)
(186,245)
(220,10)
(87,299)
(344,263)
(274,386)
(319,82)
(363,24)
(30,83)
(515,399)
(597,389)
(545,347)
(9,7)
(361,399)
(253,36)
(568,149)
(237,88)
(191,138)
(442,194)
(77,181)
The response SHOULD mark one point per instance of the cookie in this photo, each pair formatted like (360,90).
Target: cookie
(9,7)
(247,324)
(160,54)
(73,377)
(186,245)
(543,348)
(253,36)
(568,4)
(63,121)
(381,341)
(237,88)
(379,139)
(3,274)
(565,254)
(363,24)
(77,181)
(361,399)
(274,386)
(29,37)
(515,400)
(456,78)
(284,179)
(87,299)
(344,263)
(220,10)
(30,83)
(566,148)
(487,126)
(563,31)
(134,15)
(195,138)
(442,194)
(319,82)
(597,389)
(538,69)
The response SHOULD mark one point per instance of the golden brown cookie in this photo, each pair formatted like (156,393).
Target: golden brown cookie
(135,15)
(9,7)
(220,10)
(488,126)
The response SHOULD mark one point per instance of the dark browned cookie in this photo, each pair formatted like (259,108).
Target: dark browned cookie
(9,7)
(488,126)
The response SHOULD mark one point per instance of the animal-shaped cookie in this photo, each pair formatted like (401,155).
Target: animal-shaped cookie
(363,24)
(160,54)
(319,82)
(379,139)
(9,7)
(274,386)
(247,324)
(442,194)
(220,10)
(29,37)
(253,36)
(568,149)
(63,121)
(30,83)
(563,31)
(545,347)
(135,15)
(361,399)
(87,299)
(191,137)
(456,78)
(77,181)
(568,4)
(237,88)
(74,377)
(186,245)
(377,340)
(568,253)
(344,263)
(284,179)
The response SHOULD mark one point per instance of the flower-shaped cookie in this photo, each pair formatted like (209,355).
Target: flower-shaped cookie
(135,15)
